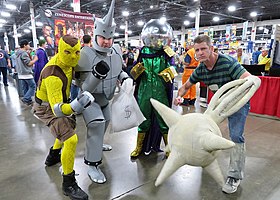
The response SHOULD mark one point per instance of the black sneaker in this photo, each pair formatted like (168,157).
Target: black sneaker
(231,185)
(28,103)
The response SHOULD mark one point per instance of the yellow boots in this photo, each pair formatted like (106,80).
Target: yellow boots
(139,145)
(140,140)
(165,136)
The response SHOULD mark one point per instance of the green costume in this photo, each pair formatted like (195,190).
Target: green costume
(153,74)
(152,85)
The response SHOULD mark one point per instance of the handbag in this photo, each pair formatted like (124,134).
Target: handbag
(126,113)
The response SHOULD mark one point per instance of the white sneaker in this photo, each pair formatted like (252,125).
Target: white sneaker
(231,185)
(96,175)
(106,147)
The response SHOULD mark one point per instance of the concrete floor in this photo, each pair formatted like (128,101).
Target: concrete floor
(25,143)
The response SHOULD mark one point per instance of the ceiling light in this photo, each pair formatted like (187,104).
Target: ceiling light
(2,21)
(231,8)
(248,32)
(11,6)
(192,14)
(216,19)
(140,23)
(5,14)
(151,6)
(186,22)
(39,24)
(125,13)
(253,14)
(26,30)
(129,32)
(122,26)
(41,38)
(261,28)
(116,34)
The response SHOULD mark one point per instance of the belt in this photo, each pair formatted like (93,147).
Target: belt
(190,67)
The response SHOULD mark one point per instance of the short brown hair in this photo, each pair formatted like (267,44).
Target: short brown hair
(203,38)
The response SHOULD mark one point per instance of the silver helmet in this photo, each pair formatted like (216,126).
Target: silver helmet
(156,33)
(104,27)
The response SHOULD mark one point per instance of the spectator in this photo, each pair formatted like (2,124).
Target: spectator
(24,67)
(264,59)
(5,62)
(255,56)
(242,57)
(42,59)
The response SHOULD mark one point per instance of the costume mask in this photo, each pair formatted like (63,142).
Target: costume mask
(69,50)
(156,34)
(104,27)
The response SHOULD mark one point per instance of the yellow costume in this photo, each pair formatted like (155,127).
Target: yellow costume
(54,89)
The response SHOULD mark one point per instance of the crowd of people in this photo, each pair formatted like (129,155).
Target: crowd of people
(78,72)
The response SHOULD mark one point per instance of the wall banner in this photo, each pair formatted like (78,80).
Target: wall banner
(57,23)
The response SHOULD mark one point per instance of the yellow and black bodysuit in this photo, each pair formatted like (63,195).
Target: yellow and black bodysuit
(54,88)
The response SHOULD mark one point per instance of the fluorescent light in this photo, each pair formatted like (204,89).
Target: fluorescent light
(5,14)
(186,22)
(116,34)
(192,14)
(26,30)
(2,21)
(39,24)
(122,26)
(231,8)
(125,13)
(140,23)
(253,14)
(129,32)
(216,19)
(11,6)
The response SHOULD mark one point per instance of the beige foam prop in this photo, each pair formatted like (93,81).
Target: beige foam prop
(195,139)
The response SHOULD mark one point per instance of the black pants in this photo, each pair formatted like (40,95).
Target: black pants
(3,70)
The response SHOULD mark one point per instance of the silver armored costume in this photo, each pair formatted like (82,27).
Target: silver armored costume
(98,72)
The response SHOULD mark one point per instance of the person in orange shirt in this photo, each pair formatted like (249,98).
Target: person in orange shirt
(190,63)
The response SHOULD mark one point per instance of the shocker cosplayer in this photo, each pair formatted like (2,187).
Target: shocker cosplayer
(98,71)
(52,108)
(153,74)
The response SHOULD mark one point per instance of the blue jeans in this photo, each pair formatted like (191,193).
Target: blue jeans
(74,92)
(28,88)
(3,70)
(236,123)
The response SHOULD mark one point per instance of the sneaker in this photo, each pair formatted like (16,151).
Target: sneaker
(28,103)
(231,185)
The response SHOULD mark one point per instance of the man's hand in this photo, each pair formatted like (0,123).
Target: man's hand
(82,102)
(178,100)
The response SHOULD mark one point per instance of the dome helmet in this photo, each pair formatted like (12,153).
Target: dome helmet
(104,27)
(156,34)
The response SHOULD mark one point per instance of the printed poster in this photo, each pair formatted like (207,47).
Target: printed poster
(57,23)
